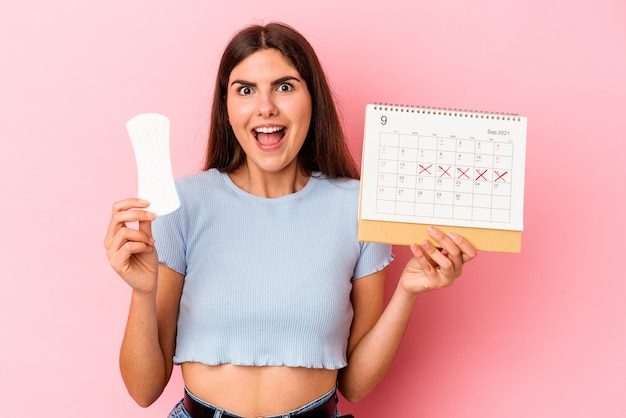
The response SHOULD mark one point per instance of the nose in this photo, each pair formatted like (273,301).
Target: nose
(266,105)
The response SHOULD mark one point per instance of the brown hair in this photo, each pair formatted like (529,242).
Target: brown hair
(325,148)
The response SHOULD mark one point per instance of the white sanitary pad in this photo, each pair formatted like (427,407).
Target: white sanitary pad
(150,136)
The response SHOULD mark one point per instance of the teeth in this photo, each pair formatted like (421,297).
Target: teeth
(268,130)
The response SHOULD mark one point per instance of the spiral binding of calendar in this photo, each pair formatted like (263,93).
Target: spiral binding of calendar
(447,112)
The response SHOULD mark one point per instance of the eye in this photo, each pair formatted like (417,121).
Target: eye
(244,90)
(285,87)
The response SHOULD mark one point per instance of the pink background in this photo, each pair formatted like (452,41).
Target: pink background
(538,334)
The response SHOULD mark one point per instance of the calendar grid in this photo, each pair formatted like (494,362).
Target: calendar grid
(444,177)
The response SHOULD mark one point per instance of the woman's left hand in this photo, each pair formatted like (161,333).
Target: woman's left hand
(430,267)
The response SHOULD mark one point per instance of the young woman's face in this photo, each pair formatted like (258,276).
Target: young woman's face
(269,109)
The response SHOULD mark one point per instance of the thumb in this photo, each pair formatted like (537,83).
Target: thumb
(146,227)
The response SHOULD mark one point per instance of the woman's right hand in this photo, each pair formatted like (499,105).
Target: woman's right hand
(131,251)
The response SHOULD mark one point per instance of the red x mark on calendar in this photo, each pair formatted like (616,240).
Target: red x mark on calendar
(481,174)
(425,169)
(500,176)
(462,173)
(444,171)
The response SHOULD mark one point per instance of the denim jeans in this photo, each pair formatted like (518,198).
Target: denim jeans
(179,410)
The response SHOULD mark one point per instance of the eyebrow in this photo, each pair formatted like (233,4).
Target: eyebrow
(275,82)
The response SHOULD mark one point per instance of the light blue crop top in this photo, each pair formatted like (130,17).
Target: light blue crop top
(267,281)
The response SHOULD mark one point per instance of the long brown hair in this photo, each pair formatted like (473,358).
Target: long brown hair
(325,148)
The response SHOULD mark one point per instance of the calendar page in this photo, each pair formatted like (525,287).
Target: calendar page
(443,167)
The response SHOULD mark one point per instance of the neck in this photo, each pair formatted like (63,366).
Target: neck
(270,184)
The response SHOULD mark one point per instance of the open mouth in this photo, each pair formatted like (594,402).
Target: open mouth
(269,135)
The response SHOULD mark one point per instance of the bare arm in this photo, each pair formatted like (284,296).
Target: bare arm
(150,337)
(146,355)
(375,337)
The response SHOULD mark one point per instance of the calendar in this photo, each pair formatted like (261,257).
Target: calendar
(444,167)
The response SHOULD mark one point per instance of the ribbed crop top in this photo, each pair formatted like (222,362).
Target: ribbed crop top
(267,281)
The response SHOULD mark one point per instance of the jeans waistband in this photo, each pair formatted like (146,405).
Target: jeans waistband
(200,410)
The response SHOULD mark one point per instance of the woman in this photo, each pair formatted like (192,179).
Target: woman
(260,290)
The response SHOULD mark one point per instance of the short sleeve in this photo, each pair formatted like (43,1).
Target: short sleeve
(374,257)
(167,231)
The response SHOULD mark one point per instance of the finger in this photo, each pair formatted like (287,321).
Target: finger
(422,254)
(434,277)
(126,234)
(120,260)
(124,211)
(129,210)
(125,243)
(468,251)
(130,203)
(120,220)
(441,262)
(455,245)
(145,226)
(449,250)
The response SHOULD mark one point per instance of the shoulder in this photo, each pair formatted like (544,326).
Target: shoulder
(195,189)
(199,178)
(198,183)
